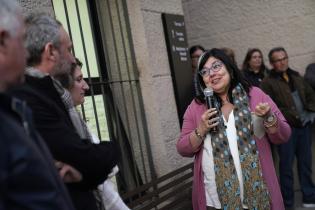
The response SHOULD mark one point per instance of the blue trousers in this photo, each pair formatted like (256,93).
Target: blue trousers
(299,145)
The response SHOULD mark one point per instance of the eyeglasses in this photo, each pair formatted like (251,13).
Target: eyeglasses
(280,60)
(216,66)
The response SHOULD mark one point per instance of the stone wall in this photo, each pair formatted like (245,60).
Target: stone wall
(34,6)
(243,24)
(155,79)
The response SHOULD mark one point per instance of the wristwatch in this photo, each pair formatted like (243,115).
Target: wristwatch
(270,121)
(270,118)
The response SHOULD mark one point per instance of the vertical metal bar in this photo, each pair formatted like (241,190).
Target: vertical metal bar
(105,92)
(68,22)
(106,106)
(52,4)
(119,127)
(112,111)
(132,94)
(146,135)
(88,68)
(123,94)
(143,118)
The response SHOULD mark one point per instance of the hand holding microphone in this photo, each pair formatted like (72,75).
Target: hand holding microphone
(213,117)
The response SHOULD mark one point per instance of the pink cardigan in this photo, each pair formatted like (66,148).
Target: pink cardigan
(191,120)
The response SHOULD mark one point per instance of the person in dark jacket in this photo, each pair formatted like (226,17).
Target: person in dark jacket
(28,176)
(296,100)
(309,75)
(49,48)
(254,68)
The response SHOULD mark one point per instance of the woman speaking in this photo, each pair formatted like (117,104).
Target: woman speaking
(233,166)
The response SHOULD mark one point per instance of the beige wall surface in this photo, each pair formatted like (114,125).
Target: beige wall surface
(34,6)
(155,79)
(243,24)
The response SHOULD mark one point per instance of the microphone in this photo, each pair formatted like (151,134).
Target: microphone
(208,92)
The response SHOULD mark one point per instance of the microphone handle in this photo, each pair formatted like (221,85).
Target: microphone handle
(210,104)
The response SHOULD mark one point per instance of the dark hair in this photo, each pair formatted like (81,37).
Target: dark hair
(194,48)
(67,80)
(230,53)
(273,50)
(77,63)
(249,55)
(234,72)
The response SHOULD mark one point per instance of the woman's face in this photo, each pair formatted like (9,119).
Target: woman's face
(79,87)
(194,59)
(217,76)
(255,61)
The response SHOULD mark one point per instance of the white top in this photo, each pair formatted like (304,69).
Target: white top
(212,198)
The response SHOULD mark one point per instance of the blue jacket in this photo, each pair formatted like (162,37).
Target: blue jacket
(28,177)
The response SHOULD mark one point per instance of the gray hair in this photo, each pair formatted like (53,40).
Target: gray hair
(40,30)
(10,12)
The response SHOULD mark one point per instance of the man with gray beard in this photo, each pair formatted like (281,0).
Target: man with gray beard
(28,176)
(50,47)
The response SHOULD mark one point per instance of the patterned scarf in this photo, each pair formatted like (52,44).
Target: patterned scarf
(256,194)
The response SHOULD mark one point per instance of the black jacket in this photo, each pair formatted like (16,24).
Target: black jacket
(28,177)
(52,120)
(309,75)
(254,78)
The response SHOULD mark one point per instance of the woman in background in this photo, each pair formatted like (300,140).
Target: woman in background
(230,53)
(77,88)
(195,52)
(233,168)
(254,69)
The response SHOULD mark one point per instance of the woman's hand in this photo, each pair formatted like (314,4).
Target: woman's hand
(270,121)
(208,121)
(68,173)
(262,109)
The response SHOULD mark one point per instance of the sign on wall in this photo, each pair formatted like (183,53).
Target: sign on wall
(180,64)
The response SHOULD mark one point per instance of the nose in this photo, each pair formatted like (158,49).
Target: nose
(211,73)
(72,58)
(85,86)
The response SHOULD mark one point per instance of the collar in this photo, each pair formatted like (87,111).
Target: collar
(289,71)
(34,72)
(13,105)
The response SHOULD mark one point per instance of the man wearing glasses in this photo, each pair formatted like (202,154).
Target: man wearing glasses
(296,100)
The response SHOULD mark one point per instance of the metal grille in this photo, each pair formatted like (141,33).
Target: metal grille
(115,90)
